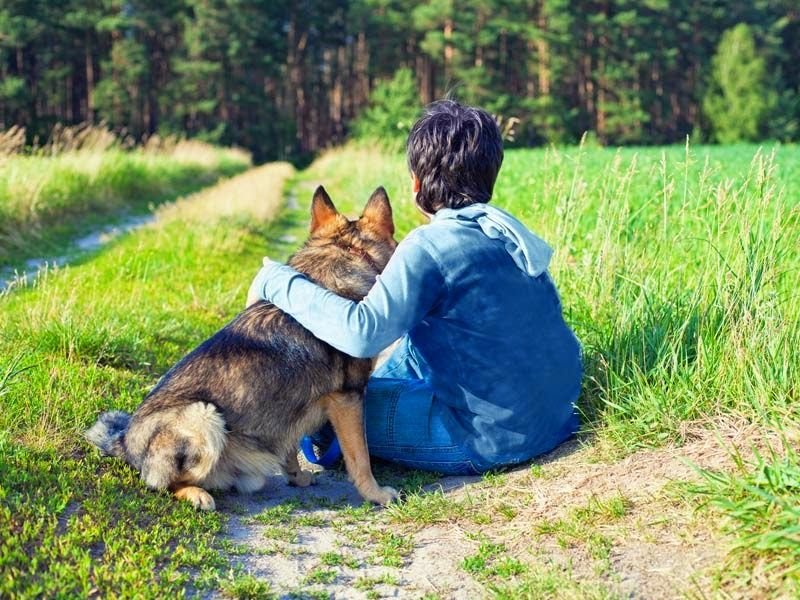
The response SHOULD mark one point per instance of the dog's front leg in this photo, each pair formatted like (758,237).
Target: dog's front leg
(345,411)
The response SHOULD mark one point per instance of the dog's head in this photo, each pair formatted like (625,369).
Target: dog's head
(346,255)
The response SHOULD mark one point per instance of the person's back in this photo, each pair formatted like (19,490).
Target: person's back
(486,371)
(494,348)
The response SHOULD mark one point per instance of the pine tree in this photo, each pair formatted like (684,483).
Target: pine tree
(740,99)
(393,108)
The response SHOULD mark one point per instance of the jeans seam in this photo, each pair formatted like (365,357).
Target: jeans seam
(392,413)
(396,447)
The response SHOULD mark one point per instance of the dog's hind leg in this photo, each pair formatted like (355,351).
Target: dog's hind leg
(181,449)
(164,467)
(345,410)
(295,474)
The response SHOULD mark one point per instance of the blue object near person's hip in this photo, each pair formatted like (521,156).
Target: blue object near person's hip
(327,458)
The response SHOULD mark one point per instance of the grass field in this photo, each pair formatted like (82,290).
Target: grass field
(49,197)
(677,269)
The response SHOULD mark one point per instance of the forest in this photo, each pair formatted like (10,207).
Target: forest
(287,79)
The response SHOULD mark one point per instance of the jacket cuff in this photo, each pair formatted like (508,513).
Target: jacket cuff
(261,278)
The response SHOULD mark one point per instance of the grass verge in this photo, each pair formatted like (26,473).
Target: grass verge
(97,336)
(47,200)
(758,507)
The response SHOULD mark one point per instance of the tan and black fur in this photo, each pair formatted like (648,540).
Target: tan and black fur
(234,408)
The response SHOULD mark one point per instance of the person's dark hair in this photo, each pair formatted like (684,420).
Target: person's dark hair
(456,152)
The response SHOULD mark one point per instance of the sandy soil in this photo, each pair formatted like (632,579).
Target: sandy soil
(660,549)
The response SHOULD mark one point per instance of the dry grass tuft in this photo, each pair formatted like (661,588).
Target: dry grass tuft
(12,141)
(243,196)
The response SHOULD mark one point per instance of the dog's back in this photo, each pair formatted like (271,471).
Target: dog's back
(233,409)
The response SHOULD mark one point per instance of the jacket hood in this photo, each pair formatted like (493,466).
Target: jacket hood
(530,253)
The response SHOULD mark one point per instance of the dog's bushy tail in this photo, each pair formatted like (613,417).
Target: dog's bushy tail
(108,432)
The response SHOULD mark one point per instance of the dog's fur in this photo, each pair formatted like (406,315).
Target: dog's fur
(234,409)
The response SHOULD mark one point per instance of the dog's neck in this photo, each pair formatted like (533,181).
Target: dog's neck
(362,254)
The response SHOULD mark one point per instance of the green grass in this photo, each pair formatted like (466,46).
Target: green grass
(320,575)
(366,584)
(392,548)
(580,527)
(247,587)
(759,507)
(47,200)
(336,559)
(506,577)
(677,270)
(97,336)
(549,581)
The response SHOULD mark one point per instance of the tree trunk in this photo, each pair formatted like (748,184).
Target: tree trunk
(362,69)
(89,75)
(543,52)
(448,51)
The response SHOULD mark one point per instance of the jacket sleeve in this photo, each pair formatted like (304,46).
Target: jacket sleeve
(410,286)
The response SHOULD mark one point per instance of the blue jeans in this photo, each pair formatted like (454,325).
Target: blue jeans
(405,426)
(403,423)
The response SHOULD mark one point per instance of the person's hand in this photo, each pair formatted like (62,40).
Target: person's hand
(254,293)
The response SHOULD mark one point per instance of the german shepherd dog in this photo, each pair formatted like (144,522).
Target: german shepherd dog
(233,410)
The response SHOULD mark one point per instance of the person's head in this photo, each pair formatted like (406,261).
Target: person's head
(454,154)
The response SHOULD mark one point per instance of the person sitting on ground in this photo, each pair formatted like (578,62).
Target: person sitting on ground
(486,371)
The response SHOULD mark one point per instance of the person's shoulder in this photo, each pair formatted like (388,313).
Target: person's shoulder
(440,229)
(425,244)
(423,236)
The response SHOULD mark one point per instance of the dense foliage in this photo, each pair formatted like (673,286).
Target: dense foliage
(286,78)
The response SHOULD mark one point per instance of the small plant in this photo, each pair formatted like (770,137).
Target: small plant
(280,514)
(320,575)
(310,520)
(308,594)
(491,563)
(247,587)
(393,548)
(426,508)
(366,584)
(478,563)
(495,478)
(335,559)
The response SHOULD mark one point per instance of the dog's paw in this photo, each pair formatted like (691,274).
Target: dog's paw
(197,497)
(302,479)
(385,495)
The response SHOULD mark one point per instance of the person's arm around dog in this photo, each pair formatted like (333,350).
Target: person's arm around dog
(399,300)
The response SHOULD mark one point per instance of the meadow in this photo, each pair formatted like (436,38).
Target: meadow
(86,176)
(677,268)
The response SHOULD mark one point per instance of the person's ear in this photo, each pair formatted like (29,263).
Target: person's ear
(414,184)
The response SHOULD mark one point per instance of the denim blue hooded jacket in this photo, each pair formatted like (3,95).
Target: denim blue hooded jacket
(484,328)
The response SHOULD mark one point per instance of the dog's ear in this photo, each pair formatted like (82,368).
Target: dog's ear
(322,209)
(378,213)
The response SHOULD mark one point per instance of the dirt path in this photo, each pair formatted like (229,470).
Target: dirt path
(243,196)
(591,529)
